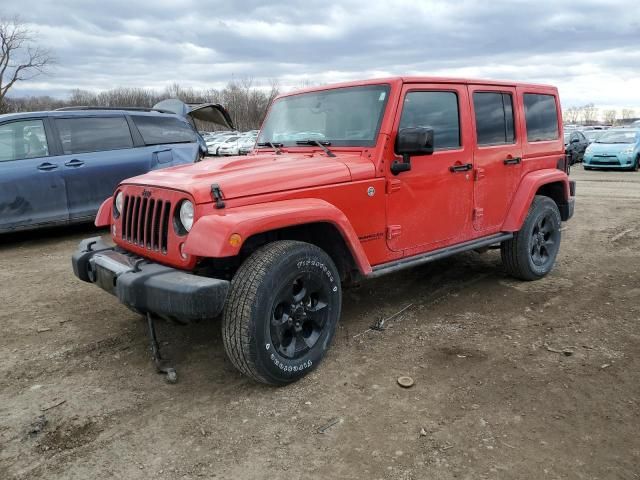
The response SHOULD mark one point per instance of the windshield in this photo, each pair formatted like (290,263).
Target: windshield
(348,116)
(618,136)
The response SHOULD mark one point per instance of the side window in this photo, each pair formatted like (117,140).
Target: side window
(541,117)
(93,134)
(22,140)
(494,118)
(156,130)
(437,110)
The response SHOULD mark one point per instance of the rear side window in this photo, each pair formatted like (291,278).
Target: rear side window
(93,134)
(494,118)
(541,117)
(437,110)
(22,140)
(159,130)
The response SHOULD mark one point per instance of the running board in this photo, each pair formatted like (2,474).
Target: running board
(423,258)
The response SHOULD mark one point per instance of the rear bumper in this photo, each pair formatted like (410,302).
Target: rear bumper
(145,286)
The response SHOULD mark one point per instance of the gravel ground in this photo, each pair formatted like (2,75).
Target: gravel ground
(494,394)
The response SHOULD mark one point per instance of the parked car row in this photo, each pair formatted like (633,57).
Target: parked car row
(604,148)
(224,143)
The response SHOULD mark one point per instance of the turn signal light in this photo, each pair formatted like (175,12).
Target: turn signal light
(235,240)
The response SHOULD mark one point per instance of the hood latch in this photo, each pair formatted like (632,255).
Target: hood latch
(216,193)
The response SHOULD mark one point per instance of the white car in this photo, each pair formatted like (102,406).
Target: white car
(228,147)
(246,144)
(214,143)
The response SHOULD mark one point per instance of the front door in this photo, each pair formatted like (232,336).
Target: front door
(32,190)
(497,155)
(430,205)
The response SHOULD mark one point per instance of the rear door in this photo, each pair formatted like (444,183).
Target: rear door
(497,154)
(98,153)
(31,185)
(167,140)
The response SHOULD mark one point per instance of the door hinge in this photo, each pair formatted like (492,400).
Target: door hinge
(478,213)
(479,174)
(393,231)
(393,185)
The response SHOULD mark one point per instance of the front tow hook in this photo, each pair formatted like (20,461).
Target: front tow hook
(160,363)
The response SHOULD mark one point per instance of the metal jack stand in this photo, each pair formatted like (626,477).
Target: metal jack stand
(159,362)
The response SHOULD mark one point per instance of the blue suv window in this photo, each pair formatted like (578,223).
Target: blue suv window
(21,140)
(156,130)
(93,134)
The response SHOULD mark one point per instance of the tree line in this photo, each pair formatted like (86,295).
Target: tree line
(588,114)
(246,102)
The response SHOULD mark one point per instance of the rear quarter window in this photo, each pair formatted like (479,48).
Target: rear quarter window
(157,130)
(541,117)
(93,134)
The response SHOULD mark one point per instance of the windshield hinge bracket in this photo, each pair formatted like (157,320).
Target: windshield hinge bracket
(216,193)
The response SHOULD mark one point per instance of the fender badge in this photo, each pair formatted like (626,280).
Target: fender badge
(371,191)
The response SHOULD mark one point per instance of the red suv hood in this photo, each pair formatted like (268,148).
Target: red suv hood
(258,174)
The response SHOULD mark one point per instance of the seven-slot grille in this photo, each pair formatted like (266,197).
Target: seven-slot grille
(145,222)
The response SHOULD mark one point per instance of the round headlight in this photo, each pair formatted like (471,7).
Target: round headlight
(186,215)
(118,203)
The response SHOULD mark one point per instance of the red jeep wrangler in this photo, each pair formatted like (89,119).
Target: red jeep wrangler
(348,181)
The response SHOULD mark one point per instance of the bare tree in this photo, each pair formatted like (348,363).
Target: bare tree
(610,116)
(20,57)
(589,113)
(571,114)
(627,113)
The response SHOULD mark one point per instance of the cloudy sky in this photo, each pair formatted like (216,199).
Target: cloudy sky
(589,49)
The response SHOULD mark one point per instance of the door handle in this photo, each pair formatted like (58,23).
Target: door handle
(512,161)
(74,163)
(47,166)
(464,167)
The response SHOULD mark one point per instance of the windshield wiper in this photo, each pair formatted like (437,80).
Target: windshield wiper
(275,146)
(322,145)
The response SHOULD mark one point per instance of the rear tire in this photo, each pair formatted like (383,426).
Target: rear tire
(532,252)
(636,164)
(282,311)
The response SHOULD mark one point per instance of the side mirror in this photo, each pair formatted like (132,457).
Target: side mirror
(412,141)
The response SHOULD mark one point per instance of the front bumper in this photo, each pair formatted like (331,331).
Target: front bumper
(145,286)
(608,161)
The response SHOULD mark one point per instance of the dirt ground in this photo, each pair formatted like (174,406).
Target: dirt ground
(494,395)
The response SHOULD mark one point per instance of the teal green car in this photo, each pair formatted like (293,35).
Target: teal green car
(614,149)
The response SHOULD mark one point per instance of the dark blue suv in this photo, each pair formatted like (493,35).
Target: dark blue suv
(57,167)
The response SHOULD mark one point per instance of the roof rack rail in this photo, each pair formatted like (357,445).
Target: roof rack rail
(136,109)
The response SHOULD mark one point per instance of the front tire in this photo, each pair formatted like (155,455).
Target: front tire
(282,311)
(532,252)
